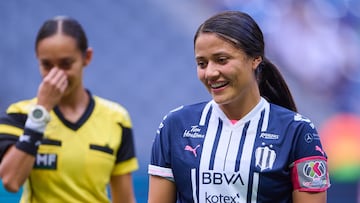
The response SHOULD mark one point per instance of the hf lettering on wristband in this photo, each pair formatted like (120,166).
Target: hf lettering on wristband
(29,142)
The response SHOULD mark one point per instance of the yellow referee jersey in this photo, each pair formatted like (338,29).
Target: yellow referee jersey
(75,161)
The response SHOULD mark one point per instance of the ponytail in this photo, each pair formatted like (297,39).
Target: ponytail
(242,31)
(273,86)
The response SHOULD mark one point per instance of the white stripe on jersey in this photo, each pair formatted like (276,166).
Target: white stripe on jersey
(193,184)
(266,117)
(208,143)
(255,187)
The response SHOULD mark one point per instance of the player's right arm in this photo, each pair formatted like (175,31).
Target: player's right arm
(161,190)
(18,160)
(15,168)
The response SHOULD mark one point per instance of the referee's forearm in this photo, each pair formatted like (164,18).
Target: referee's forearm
(15,167)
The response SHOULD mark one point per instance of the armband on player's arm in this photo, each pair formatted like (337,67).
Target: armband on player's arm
(34,130)
(310,174)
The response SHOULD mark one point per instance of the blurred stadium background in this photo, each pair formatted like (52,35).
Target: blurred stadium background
(143,59)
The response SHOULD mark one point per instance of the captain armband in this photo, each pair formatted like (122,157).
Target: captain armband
(310,174)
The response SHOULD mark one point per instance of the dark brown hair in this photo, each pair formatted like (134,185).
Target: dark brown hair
(65,25)
(241,30)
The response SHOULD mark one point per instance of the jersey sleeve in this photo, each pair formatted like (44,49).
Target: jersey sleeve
(309,168)
(11,127)
(160,164)
(126,161)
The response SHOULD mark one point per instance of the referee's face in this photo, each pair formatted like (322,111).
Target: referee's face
(226,71)
(60,51)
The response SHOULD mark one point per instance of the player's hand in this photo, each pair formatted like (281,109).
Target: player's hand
(52,88)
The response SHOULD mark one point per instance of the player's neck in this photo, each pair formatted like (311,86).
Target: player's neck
(73,107)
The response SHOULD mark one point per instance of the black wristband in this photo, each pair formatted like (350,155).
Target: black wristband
(29,142)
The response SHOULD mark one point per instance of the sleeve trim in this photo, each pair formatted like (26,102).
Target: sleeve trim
(160,171)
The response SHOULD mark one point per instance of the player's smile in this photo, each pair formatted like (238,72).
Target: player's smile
(218,85)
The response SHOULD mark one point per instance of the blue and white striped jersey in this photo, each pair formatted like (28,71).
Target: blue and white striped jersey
(261,158)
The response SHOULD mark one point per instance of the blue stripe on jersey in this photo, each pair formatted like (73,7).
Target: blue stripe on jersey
(206,113)
(215,145)
(251,175)
(241,146)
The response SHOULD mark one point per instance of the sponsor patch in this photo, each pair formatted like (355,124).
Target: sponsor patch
(193,132)
(269,136)
(46,161)
(309,137)
(311,174)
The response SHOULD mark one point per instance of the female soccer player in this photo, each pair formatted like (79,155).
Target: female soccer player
(66,144)
(248,144)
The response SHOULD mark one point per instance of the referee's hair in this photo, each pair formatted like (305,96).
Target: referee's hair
(65,25)
(241,30)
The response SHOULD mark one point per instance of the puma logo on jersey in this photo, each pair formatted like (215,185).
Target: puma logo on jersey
(193,150)
(317,148)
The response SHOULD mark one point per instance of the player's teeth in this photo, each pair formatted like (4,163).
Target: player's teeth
(217,85)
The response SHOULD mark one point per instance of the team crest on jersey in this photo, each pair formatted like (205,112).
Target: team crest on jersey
(46,161)
(265,157)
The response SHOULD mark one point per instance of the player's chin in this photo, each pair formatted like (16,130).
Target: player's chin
(220,99)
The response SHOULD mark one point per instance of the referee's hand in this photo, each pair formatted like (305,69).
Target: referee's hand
(52,88)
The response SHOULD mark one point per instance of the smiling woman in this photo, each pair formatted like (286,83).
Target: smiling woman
(254,146)
(227,73)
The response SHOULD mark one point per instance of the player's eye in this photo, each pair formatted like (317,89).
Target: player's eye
(201,64)
(66,64)
(46,65)
(222,60)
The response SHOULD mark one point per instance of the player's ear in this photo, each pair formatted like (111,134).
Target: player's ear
(256,61)
(88,56)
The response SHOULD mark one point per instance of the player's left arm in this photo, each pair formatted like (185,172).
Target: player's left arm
(309,171)
(309,197)
(122,189)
